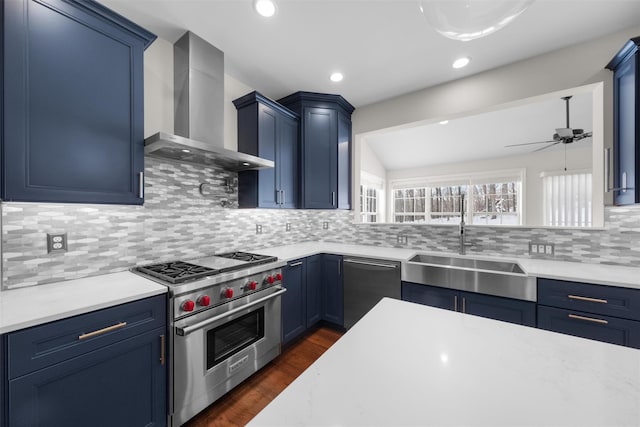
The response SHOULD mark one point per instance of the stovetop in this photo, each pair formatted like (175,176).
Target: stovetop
(178,272)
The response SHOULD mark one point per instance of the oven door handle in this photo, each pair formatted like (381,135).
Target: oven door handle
(190,328)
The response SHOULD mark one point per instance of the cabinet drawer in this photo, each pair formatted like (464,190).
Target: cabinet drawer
(41,346)
(586,325)
(597,299)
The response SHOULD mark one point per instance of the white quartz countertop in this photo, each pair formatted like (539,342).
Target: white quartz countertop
(405,364)
(25,307)
(591,273)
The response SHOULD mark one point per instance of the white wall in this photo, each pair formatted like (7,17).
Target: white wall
(158,94)
(370,163)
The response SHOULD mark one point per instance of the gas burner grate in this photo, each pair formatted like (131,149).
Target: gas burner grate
(177,271)
(248,257)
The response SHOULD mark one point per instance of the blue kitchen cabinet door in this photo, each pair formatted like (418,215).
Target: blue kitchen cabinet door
(492,307)
(498,308)
(325,142)
(294,300)
(320,158)
(429,295)
(626,112)
(332,290)
(588,325)
(73,103)
(123,384)
(268,130)
(314,289)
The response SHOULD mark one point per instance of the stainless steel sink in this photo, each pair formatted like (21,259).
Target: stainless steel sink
(500,278)
(476,264)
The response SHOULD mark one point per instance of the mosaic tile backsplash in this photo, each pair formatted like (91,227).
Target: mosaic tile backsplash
(177,221)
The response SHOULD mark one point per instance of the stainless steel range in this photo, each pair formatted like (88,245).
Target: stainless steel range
(225,319)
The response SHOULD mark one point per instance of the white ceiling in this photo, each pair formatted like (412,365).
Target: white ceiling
(483,136)
(384,48)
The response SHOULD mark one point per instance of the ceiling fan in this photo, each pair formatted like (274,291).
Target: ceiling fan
(562,136)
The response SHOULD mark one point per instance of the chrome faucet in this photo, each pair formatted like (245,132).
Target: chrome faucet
(463,245)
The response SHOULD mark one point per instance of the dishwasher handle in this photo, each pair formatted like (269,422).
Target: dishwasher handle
(370,263)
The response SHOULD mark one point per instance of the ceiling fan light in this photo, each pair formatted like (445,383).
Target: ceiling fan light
(471,19)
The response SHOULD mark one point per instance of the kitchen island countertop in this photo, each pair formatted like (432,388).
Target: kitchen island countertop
(408,364)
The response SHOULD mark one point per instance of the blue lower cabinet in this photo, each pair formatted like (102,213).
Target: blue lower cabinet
(332,290)
(608,329)
(428,295)
(103,368)
(498,308)
(123,384)
(294,300)
(314,289)
(314,293)
(493,307)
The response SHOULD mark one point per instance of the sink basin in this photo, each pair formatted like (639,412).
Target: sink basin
(476,264)
(500,278)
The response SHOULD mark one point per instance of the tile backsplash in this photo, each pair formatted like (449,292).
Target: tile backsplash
(177,221)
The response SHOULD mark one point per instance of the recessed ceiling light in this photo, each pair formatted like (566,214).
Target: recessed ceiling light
(184,150)
(246,164)
(444,122)
(336,77)
(461,62)
(266,8)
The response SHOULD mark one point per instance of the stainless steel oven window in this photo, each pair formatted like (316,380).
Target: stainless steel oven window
(234,336)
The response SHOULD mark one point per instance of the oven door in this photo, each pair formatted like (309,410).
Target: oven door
(215,350)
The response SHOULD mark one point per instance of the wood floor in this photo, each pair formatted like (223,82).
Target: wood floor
(242,403)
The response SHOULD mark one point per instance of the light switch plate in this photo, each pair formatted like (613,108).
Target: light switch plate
(56,242)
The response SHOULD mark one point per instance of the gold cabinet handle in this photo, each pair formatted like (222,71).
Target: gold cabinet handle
(102,331)
(162,350)
(578,297)
(588,319)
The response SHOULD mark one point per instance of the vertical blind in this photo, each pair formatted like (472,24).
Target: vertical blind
(567,199)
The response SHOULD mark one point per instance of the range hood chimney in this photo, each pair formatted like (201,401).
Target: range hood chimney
(198,87)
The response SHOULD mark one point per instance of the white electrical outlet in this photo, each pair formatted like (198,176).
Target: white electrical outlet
(56,242)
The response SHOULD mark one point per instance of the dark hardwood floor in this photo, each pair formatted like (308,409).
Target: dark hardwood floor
(242,403)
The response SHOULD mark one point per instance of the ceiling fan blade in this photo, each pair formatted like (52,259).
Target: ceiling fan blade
(529,143)
(548,146)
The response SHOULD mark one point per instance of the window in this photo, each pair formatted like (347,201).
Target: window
(496,204)
(567,199)
(368,204)
(492,199)
(371,198)
(409,205)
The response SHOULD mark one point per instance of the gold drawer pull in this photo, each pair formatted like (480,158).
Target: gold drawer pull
(578,297)
(588,319)
(162,345)
(103,331)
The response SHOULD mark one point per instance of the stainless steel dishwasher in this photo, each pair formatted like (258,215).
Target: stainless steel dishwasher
(367,281)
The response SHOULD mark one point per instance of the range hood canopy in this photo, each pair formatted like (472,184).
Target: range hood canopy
(198,80)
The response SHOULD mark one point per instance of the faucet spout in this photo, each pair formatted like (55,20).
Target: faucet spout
(463,244)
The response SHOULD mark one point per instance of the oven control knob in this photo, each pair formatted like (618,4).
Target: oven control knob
(252,285)
(227,293)
(204,300)
(188,305)
(270,279)
(279,276)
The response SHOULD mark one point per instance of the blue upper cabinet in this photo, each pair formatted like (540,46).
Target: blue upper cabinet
(72,103)
(325,133)
(268,130)
(626,112)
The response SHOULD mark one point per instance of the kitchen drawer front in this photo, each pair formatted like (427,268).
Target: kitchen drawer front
(41,346)
(586,325)
(597,299)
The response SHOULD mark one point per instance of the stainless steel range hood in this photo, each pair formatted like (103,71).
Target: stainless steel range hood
(198,85)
